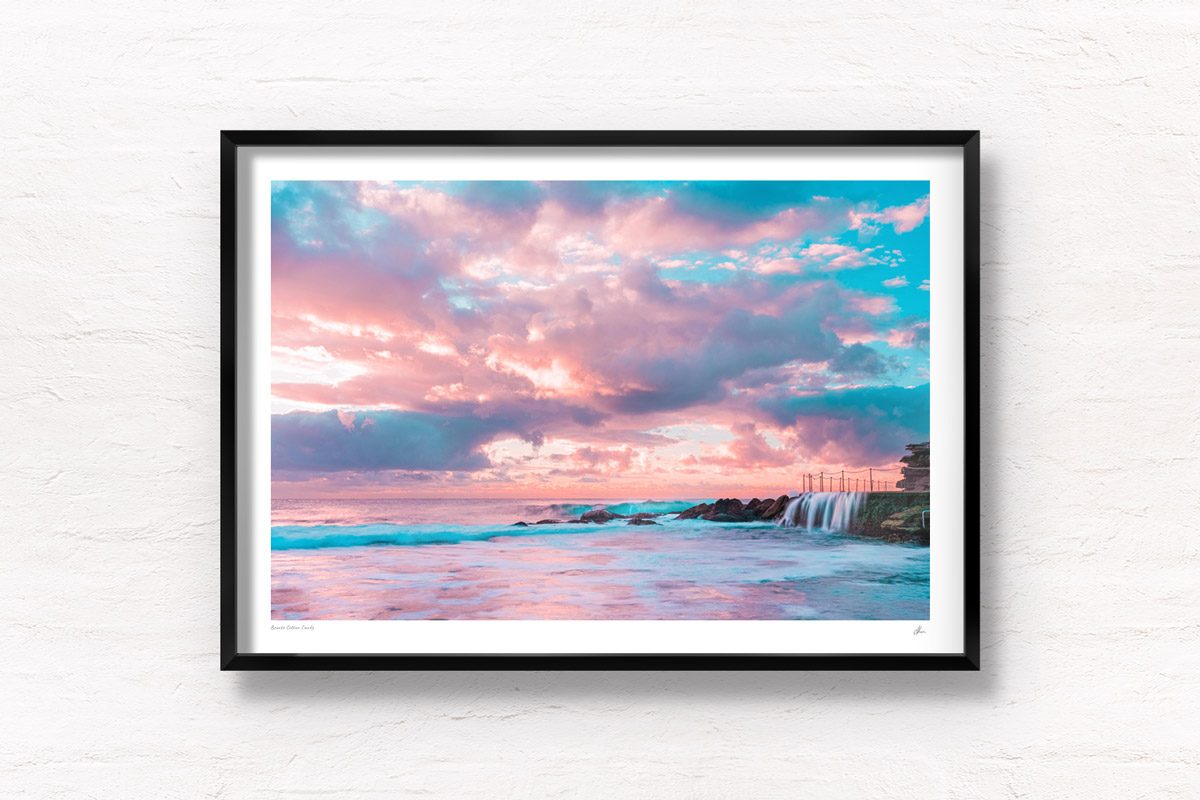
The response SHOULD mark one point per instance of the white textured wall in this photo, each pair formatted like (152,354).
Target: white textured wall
(109,115)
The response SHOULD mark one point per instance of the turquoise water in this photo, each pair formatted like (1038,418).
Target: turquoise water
(364,568)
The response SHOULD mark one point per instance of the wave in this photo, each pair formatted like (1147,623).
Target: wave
(574,510)
(308,537)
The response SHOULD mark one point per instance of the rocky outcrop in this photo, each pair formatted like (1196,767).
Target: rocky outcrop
(776,508)
(889,516)
(599,516)
(895,517)
(915,469)
(731,509)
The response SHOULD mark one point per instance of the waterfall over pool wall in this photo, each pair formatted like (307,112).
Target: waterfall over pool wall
(829,512)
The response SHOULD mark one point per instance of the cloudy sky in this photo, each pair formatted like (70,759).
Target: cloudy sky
(634,340)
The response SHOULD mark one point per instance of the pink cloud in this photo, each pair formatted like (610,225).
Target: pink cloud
(515,321)
(772,266)
(906,218)
(825,256)
(657,225)
(749,452)
(611,459)
(537,240)
(875,305)
(902,218)
(435,215)
(914,335)
(540,344)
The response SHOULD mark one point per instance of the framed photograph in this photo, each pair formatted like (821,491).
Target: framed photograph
(600,400)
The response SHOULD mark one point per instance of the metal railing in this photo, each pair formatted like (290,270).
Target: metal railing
(863,480)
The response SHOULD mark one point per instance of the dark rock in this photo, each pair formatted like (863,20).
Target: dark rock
(908,520)
(520,524)
(641,521)
(599,516)
(903,526)
(735,511)
(729,506)
(548,522)
(776,509)
(695,512)
(915,469)
(644,515)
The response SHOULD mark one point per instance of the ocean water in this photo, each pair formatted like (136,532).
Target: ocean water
(464,511)
(464,559)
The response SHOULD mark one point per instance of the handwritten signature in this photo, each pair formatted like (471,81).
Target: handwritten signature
(919,630)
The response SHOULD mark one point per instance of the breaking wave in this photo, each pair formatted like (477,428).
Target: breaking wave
(307,537)
(574,510)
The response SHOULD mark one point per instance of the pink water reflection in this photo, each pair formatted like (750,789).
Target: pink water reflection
(602,573)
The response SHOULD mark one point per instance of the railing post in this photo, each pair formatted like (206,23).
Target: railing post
(871,478)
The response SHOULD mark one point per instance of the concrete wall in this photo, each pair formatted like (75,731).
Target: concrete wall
(108,214)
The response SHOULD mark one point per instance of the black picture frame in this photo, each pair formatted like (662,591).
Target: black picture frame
(232,140)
